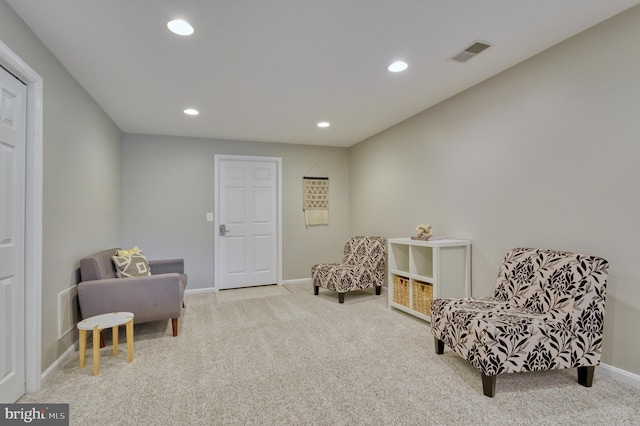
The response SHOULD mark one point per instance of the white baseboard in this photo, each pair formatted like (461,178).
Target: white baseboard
(213,289)
(201,290)
(619,375)
(59,362)
(298,281)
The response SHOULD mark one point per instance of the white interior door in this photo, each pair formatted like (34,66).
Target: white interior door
(247,225)
(12,212)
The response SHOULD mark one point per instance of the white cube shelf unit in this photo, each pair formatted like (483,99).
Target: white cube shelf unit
(420,271)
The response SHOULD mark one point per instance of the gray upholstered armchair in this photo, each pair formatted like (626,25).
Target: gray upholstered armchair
(362,267)
(547,313)
(155,297)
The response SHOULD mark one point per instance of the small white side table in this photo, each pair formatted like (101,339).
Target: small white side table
(98,323)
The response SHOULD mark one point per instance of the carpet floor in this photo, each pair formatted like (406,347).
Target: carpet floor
(300,359)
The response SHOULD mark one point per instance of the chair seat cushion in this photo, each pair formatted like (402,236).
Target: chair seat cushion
(342,277)
(496,337)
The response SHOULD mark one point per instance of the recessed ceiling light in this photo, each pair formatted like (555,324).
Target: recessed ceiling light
(180,27)
(191,111)
(323,124)
(398,66)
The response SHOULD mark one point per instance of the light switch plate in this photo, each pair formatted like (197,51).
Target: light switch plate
(209,217)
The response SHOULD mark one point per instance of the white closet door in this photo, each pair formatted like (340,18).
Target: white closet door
(12,211)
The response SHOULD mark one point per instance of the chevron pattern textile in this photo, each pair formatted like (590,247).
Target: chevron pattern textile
(315,201)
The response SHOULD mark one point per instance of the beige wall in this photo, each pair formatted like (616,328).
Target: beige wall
(82,177)
(545,154)
(168,189)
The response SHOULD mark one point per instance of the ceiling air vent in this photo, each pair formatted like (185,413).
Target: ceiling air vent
(470,52)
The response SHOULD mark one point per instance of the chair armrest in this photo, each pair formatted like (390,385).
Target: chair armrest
(150,298)
(166,266)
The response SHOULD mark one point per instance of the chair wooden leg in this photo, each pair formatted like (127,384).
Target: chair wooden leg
(378,290)
(585,375)
(102,345)
(489,385)
(316,289)
(174,325)
(439,346)
(340,297)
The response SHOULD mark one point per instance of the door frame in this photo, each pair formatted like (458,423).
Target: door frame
(33,215)
(217,158)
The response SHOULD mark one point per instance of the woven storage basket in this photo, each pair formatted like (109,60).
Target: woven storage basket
(401,290)
(422,297)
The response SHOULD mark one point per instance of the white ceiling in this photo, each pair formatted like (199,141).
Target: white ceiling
(270,70)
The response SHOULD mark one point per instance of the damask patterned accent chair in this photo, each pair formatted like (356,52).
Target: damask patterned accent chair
(362,267)
(547,313)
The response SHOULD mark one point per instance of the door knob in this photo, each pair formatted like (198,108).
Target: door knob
(223,230)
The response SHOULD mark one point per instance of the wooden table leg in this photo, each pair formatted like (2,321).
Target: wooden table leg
(114,338)
(129,327)
(96,350)
(83,347)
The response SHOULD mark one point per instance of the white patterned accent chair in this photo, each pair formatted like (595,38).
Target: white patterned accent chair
(547,313)
(362,267)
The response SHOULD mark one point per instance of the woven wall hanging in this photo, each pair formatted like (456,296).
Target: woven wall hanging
(315,199)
